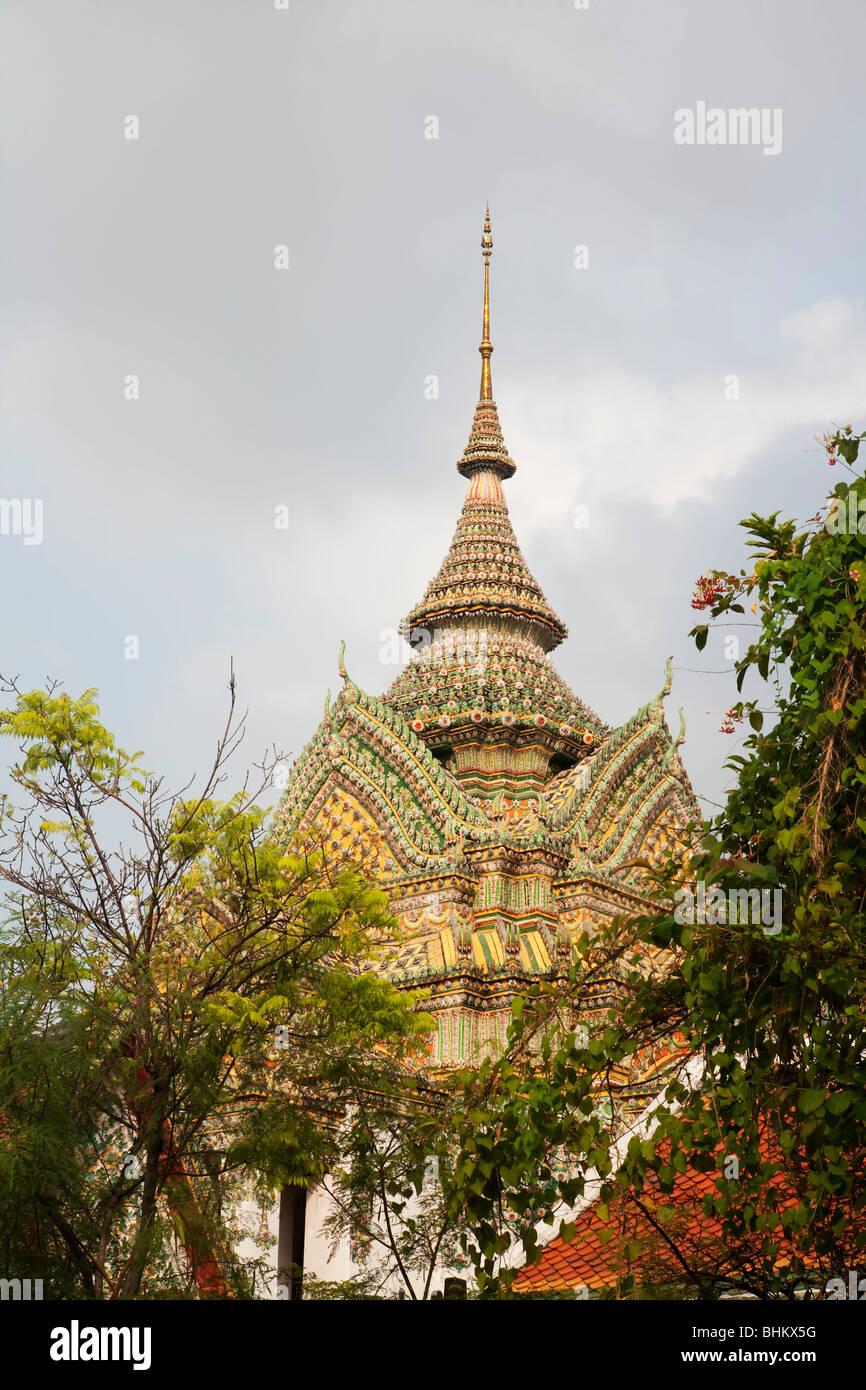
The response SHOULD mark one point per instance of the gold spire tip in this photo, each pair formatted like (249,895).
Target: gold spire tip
(486,238)
(486,346)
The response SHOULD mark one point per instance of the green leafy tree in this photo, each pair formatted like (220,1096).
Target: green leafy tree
(776,1010)
(769,1004)
(184,1004)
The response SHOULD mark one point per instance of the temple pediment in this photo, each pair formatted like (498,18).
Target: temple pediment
(365,755)
(612,805)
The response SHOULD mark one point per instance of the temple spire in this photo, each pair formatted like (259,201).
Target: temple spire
(486,346)
(486,448)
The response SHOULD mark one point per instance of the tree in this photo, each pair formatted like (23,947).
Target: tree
(771,1004)
(387,1199)
(182,1008)
(777,1011)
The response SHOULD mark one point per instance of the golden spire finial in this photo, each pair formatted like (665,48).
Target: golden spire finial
(486,346)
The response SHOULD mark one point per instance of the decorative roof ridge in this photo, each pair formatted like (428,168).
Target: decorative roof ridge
(358,706)
(650,713)
(611,763)
(642,799)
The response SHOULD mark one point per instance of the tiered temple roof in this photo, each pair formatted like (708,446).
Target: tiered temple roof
(500,814)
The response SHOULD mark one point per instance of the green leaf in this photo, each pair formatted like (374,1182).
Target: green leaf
(810,1101)
(849,449)
(838,1102)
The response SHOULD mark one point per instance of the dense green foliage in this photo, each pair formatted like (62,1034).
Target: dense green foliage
(181,1014)
(773,1016)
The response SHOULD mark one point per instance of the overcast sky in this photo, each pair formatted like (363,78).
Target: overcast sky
(304,387)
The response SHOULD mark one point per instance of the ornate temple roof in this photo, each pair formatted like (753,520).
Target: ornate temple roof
(594,816)
(501,684)
(499,813)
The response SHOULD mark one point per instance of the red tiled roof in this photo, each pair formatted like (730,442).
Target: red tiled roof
(604,1252)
